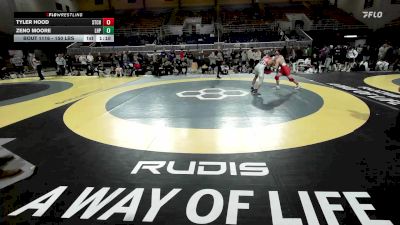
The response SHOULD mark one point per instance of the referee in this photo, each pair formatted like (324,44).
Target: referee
(38,66)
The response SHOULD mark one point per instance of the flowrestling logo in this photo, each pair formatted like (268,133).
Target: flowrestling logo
(372,14)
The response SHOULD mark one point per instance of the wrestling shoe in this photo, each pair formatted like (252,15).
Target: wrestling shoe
(255,92)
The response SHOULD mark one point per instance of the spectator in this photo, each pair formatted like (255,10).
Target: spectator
(381,65)
(184,66)
(351,56)
(96,69)
(363,66)
(366,53)
(284,52)
(389,56)
(181,55)
(299,53)
(343,57)
(156,66)
(190,59)
(292,55)
(337,61)
(136,58)
(120,59)
(125,60)
(323,52)
(315,63)
(171,56)
(359,50)
(119,71)
(137,68)
(308,67)
(77,66)
(382,52)
(257,56)
(99,59)
(99,63)
(328,58)
(3,70)
(168,68)
(90,70)
(17,61)
(178,66)
(308,52)
(250,58)
(244,57)
(54,61)
(224,69)
(83,63)
(232,58)
(213,60)
(220,60)
(30,59)
(204,68)
(114,63)
(68,63)
(154,56)
(60,61)
(265,52)
(90,58)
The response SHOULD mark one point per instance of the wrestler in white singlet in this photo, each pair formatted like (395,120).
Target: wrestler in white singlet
(267,61)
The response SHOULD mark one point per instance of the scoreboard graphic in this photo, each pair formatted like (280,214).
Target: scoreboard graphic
(62,27)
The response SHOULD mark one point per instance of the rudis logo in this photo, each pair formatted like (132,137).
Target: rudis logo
(372,14)
(204,168)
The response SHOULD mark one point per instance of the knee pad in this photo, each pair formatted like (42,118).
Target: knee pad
(276,77)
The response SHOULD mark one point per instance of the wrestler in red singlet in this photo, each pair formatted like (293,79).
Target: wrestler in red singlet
(285,70)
